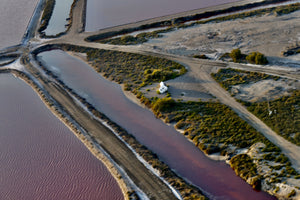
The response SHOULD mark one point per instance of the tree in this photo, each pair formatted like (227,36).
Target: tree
(257,58)
(236,55)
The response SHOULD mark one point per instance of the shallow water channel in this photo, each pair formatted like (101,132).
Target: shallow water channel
(40,158)
(216,178)
(58,21)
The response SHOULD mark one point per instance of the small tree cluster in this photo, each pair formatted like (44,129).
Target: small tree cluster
(254,57)
(257,58)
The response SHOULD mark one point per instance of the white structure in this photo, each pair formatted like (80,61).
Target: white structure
(163,88)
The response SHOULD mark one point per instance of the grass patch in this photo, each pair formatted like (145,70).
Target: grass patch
(209,125)
(285,117)
(134,70)
(244,167)
(138,39)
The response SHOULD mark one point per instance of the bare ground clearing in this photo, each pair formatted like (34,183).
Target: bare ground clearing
(269,34)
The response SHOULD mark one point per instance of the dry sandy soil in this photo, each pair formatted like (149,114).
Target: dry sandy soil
(264,90)
(268,34)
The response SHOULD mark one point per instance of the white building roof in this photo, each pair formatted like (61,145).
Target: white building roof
(163,88)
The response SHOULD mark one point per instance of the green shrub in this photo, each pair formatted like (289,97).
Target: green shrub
(257,58)
(244,167)
(291,194)
(269,157)
(163,104)
(236,55)
(284,120)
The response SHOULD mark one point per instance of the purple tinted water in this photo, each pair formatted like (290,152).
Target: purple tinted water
(14,17)
(108,13)
(40,158)
(216,178)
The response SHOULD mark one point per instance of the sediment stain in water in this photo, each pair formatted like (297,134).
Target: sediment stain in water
(217,178)
(40,158)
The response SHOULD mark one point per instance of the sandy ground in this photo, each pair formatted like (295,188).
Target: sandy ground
(186,88)
(264,90)
(269,34)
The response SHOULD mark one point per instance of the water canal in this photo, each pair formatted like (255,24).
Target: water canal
(217,178)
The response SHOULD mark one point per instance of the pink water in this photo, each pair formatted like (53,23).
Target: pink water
(108,13)
(216,178)
(40,158)
(14,17)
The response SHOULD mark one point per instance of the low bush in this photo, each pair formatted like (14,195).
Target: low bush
(235,55)
(244,167)
(257,58)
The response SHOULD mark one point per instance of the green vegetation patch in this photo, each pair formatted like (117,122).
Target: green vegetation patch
(138,39)
(257,58)
(215,128)
(229,77)
(244,167)
(211,126)
(134,70)
(285,116)
(238,57)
